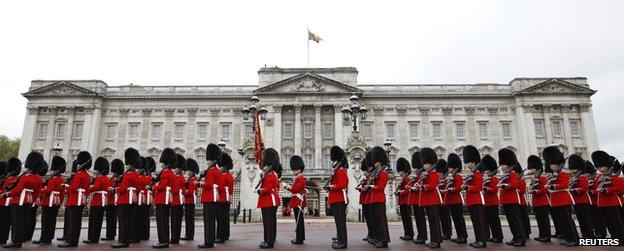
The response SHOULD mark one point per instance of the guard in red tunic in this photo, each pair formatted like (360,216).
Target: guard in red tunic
(127,198)
(598,224)
(607,187)
(117,169)
(539,197)
(473,185)
(77,190)
(403,196)
(12,169)
(445,213)
(430,197)
(268,195)
(177,205)
(560,198)
(509,196)
(363,200)
(414,200)
(226,187)
(210,194)
(31,220)
(337,199)
(99,199)
(524,210)
(298,198)
(145,200)
(490,196)
(376,192)
(161,187)
(51,198)
(453,198)
(190,198)
(578,188)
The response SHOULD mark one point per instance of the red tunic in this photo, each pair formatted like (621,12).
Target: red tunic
(162,188)
(429,194)
(112,195)
(338,193)
(7,181)
(363,193)
(226,187)
(453,195)
(473,190)
(269,195)
(298,191)
(190,191)
(490,192)
(579,192)
(52,194)
(522,191)
(377,193)
(210,187)
(177,188)
(126,190)
(404,192)
(509,194)
(28,186)
(414,195)
(540,194)
(609,197)
(99,191)
(559,195)
(78,189)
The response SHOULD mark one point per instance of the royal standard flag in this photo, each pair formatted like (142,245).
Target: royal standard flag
(314,37)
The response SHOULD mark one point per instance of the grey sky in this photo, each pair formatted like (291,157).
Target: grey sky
(152,42)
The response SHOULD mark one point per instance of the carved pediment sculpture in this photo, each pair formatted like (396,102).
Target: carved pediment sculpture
(307,85)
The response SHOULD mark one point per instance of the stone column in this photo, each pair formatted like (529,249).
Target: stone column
(317,137)
(588,128)
(523,127)
(29,132)
(567,132)
(92,126)
(69,131)
(49,142)
(277,128)
(547,126)
(298,129)
(338,125)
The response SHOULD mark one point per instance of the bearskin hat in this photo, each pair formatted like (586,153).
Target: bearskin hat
(416,162)
(132,157)
(117,166)
(534,162)
(402,165)
(489,163)
(151,165)
(14,165)
(518,169)
(441,166)
(226,161)
(83,161)
(507,157)
(296,163)
(213,152)
(552,156)
(270,157)
(471,154)
(455,162)
(617,167)
(365,164)
(3,168)
(74,166)
(602,159)
(589,167)
(180,162)
(168,158)
(34,162)
(428,156)
(192,166)
(58,164)
(379,155)
(576,162)
(336,153)
(144,163)
(101,166)
(43,170)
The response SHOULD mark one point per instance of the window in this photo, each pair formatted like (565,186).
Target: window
(308,160)
(225,131)
(59,133)
(539,128)
(248,131)
(111,131)
(134,131)
(202,131)
(574,128)
(78,128)
(156,131)
(43,130)
(307,130)
(459,130)
(556,128)
(328,130)
(437,130)
(179,131)
(367,130)
(390,130)
(413,127)
(506,128)
(483,130)
(288,130)
(327,163)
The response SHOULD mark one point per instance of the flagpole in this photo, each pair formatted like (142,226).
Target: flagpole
(308,40)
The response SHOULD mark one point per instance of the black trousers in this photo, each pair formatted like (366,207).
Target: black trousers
(566,223)
(479,223)
(583,215)
(556,217)
(31,221)
(406,218)
(457,214)
(600,230)
(524,219)
(74,224)
(445,221)
(189,221)
(145,211)
(433,218)
(543,221)
(380,220)
(367,218)
(223,220)
(300,229)
(111,221)
(494,228)
(512,213)
(125,215)
(5,213)
(614,226)
(96,217)
(18,223)
(210,215)
(339,210)
(65,223)
(162,223)
(48,223)
(137,227)
(421,223)
(176,222)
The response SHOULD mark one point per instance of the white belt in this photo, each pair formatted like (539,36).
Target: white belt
(273,199)
(167,195)
(7,201)
(227,193)
(181,197)
(81,196)
(215,193)
(131,195)
(53,198)
(116,198)
(194,197)
(103,194)
(149,197)
(439,195)
(482,198)
(572,198)
(24,194)
(344,195)
(141,195)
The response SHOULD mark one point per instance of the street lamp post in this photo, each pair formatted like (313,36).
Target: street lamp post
(253,110)
(353,110)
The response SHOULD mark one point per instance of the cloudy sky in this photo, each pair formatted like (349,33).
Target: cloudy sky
(153,42)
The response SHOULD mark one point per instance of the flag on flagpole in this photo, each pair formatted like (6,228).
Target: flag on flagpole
(258,141)
(314,37)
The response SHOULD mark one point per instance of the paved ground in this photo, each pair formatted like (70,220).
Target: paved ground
(318,233)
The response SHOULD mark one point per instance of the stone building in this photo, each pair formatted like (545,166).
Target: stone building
(305,118)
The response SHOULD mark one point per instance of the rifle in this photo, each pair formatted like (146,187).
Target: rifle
(536,180)
(400,186)
(575,180)
(471,176)
(14,183)
(265,171)
(553,176)
(373,177)
(425,173)
(209,165)
(335,166)
(605,180)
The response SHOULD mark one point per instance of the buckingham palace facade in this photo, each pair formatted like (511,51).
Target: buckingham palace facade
(305,118)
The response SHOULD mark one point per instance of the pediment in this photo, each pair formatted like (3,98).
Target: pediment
(556,86)
(61,89)
(308,83)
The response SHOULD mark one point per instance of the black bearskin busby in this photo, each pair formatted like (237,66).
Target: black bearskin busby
(489,163)
(365,164)
(428,156)
(3,169)
(117,167)
(518,169)
(416,163)
(379,155)
(226,161)
(58,164)
(34,162)
(441,166)
(552,156)
(507,157)
(192,166)
(151,165)
(471,154)
(589,168)
(83,161)
(455,162)
(144,164)
(270,157)
(296,163)
(168,158)
(43,170)
(101,166)
(402,165)
(534,162)
(602,159)
(180,162)
(213,152)
(14,166)
(132,157)
(336,153)
(576,162)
